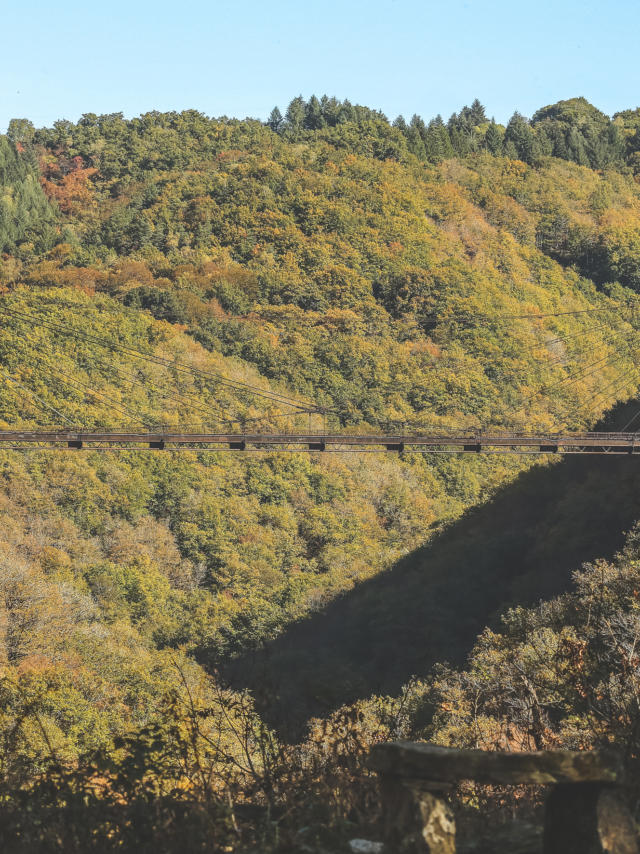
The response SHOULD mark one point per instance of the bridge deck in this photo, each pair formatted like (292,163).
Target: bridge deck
(513,443)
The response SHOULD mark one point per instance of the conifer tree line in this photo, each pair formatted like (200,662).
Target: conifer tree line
(572,130)
(26,216)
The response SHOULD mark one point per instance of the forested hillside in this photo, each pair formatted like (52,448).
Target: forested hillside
(178,270)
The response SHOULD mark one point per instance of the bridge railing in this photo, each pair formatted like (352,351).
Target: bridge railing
(585,810)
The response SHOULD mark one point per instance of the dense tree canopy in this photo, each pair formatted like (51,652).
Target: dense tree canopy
(27,220)
(417,275)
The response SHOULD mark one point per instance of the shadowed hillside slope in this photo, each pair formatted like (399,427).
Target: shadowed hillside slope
(519,547)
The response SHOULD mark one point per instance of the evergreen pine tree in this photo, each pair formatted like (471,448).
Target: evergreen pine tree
(313,118)
(544,140)
(520,134)
(576,147)
(477,113)
(445,138)
(275,120)
(510,150)
(459,141)
(26,217)
(295,115)
(347,112)
(414,133)
(493,139)
(330,110)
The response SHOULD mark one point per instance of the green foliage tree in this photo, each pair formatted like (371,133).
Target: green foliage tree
(27,220)
(493,139)
(275,120)
(520,138)
(295,115)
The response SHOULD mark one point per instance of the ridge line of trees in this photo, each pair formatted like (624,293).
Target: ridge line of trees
(572,130)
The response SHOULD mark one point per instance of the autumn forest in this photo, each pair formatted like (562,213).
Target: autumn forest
(198,649)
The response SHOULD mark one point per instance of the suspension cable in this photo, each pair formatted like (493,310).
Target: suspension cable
(237,385)
(37,397)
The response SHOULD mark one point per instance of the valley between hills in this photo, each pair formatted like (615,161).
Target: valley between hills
(198,649)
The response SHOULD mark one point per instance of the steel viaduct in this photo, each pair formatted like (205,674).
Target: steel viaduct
(480,442)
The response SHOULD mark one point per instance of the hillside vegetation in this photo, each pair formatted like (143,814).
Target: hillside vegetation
(178,270)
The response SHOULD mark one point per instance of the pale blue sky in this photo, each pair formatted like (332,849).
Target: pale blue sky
(239,59)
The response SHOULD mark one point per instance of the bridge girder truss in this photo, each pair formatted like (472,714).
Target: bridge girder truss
(500,443)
